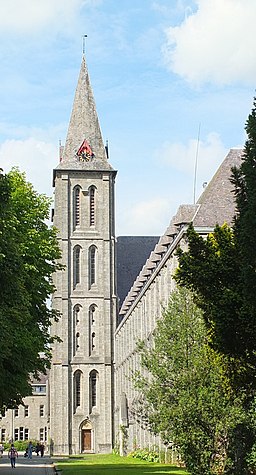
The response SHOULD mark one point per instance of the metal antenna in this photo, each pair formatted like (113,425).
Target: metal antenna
(196,162)
(84,36)
(106,148)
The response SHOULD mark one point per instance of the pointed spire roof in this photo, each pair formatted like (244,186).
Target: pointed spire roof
(84,142)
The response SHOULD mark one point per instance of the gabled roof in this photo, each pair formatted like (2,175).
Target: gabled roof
(216,205)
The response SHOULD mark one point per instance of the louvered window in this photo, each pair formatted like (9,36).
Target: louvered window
(76,264)
(77,206)
(92,266)
(93,388)
(92,205)
(77,389)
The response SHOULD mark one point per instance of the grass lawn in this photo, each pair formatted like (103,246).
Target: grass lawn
(114,465)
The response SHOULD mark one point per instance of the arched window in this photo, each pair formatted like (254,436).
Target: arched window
(76,265)
(77,205)
(92,205)
(93,340)
(92,310)
(93,388)
(76,314)
(76,334)
(77,340)
(92,343)
(92,327)
(92,266)
(77,389)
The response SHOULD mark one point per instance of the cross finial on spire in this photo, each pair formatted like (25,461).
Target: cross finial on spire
(84,36)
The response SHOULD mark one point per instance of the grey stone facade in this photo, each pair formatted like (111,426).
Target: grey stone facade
(150,292)
(89,398)
(81,375)
(29,421)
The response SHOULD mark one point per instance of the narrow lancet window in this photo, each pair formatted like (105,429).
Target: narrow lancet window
(92,327)
(77,265)
(77,340)
(92,205)
(77,389)
(92,315)
(76,334)
(93,388)
(77,206)
(92,266)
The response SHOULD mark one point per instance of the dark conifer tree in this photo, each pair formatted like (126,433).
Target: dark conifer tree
(221,271)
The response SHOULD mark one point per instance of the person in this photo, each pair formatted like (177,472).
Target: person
(1,450)
(42,450)
(38,448)
(12,454)
(30,449)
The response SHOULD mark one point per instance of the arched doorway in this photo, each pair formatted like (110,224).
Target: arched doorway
(86,436)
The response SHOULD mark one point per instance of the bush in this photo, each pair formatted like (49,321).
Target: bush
(251,460)
(20,445)
(145,454)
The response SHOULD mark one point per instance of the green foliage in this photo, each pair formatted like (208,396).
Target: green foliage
(210,270)
(28,256)
(20,445)
(145,454)
(251,460)
(221,271)
(124,443)
(186,397)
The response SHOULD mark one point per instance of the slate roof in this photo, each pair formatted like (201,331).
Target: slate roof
(131,253)
(215,205)
(43,378)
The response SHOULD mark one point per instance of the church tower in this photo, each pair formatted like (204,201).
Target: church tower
(81,375)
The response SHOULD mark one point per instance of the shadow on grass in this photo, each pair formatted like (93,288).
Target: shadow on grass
(77,467)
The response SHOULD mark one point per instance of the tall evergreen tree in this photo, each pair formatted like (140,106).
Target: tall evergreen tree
(244,180)
(221,271)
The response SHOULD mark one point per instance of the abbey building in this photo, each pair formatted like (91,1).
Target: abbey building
(110,293)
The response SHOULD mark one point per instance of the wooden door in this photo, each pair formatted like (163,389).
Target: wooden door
(86,440)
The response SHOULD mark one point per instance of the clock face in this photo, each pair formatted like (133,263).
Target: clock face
(85,152)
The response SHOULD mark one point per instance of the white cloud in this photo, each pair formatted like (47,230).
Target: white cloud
(145,218)
(32,16)
(204,157)
(215,44)
(36,158)
(174,185)
(182,157)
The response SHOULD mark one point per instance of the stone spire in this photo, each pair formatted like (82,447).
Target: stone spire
(84,140)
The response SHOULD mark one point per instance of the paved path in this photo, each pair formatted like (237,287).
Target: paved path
(36,466)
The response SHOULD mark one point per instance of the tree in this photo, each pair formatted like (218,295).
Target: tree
(186,398)
(221,272)
(29,255)
(211,270)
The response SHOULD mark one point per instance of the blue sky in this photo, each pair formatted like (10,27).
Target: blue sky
(160,71)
